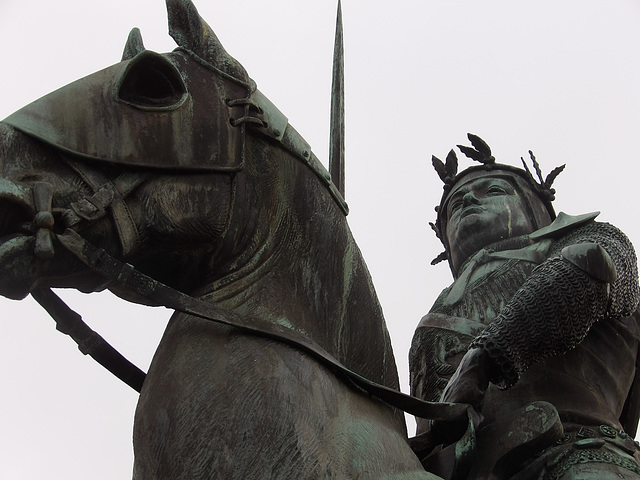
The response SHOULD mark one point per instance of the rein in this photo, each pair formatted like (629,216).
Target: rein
(110,195)
(127,276)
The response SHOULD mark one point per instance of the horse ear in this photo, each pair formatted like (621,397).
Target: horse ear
(134,45)
(191,32)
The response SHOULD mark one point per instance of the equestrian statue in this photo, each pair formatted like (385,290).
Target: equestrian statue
(170,179)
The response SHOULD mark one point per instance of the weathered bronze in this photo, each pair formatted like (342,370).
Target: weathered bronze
(538,332)
(336,144)
(170,179)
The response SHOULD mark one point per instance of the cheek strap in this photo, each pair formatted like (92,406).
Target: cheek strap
(107,195)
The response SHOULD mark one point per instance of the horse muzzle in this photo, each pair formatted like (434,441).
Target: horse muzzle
(26,234)
(27,211)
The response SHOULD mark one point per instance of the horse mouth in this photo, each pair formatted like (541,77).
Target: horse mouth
(17,211)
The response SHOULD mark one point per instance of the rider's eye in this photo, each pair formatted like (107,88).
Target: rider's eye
(496,190)
(453,206)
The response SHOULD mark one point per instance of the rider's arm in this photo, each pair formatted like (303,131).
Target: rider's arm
(590,274)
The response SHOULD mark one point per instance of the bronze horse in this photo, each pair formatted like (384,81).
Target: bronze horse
(178,166)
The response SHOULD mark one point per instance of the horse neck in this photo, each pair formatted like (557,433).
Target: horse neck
(295,263)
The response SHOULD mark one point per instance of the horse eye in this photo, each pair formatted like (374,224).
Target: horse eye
(151,81)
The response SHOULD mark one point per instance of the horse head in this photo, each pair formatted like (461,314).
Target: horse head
(150,114)
(176,164)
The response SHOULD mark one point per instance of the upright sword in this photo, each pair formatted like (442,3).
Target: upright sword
(336,139)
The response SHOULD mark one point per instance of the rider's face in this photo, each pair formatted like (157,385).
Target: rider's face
(483,211)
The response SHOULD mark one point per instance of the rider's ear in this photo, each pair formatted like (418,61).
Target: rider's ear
(150,81)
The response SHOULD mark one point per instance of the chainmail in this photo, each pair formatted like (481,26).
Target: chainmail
(591,455)
(555,307)
(623,295)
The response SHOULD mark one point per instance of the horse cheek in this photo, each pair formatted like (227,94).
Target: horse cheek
(194,209)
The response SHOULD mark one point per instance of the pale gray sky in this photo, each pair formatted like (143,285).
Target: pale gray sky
(560,78)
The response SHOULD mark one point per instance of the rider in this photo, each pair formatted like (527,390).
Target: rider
(541,310)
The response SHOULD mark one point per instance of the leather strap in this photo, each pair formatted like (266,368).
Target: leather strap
(89,342)
(127,276)
(107,194)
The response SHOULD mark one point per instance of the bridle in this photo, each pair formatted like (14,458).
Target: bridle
(107,194)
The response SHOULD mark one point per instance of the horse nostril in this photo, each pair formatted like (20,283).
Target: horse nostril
(14,219)
(16,209)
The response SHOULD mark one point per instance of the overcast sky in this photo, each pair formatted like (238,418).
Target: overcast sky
(558,77)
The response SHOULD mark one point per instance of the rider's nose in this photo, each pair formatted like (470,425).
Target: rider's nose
(469,199)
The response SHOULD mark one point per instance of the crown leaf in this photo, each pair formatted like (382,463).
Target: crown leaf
(472,153)
(481,146)
(435,229)
(440,167)
(536,165)
(481,151)
(440,258)
(452,164)
(552,176)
